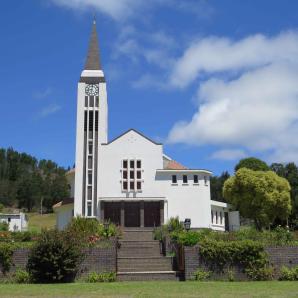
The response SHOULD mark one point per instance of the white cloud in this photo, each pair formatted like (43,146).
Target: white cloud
(41,94)
(51,109)
(213,54)
(117,9)
(229,154)
(255,107)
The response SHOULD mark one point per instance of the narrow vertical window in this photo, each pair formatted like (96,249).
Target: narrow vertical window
(90,177)
(86,101)
(90,147)
(174,179)
(139,185)
(89,193)
(138,164)
(124,175)
(212,220)
(89,162)
(125,164)
(132,164)
(91,101)
(97,101)
(184,177)
(205,180)
(220,217)
(132,175)
(124,185)
(216,217)
(139,175)
(132,185)
(195,179)
(89,209)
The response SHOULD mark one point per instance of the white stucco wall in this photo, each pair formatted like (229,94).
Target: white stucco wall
(64,215)
(130,146)
(186,200)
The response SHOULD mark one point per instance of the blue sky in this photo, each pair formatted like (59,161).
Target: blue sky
(214,81)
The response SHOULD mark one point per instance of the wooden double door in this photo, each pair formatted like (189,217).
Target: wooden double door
(133,214)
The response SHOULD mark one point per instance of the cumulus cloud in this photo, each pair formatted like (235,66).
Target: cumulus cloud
(228,154)
(250,98)
(117,9)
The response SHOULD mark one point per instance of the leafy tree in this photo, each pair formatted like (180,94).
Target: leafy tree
(252,163)
(261,196)
(216,185)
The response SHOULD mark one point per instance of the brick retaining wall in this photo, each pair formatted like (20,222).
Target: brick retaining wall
(98,259)
(278,256)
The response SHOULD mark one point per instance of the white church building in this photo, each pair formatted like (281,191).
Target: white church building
(130,180)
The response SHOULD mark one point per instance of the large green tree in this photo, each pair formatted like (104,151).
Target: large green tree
(259,195)
(252,163)
(216,185)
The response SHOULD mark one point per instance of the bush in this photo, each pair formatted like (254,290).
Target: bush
(202,275)
(289,273)
(89,230)
(4,226)
(262,273)
(220,254)
(101,277)
(189,238)
(55,257)
(6,253)
(21,277)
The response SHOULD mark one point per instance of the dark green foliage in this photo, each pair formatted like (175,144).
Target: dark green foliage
(24,181)
(101,277)
(4,226)
(6,253)
(290,274)
(55,257)
(260,273)
(173,226)
(216,185)
(252,163)
(290,172)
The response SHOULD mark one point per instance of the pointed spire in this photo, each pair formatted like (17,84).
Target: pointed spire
(93,59)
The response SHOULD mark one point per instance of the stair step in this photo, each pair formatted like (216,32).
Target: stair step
(146,275)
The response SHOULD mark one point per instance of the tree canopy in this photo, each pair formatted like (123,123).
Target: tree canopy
(24,181)
(260,195)
(252,163)
(216,185)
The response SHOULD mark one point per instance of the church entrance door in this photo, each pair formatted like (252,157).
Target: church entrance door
(112,212)
(132,214)
(152,214)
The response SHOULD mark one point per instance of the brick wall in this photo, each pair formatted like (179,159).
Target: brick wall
(99,259)
(278,256)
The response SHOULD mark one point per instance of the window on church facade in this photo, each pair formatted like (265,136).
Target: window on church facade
(131,175)
(195,179)
(184,178)
(174,179)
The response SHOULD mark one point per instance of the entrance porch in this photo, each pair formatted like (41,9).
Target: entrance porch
(129,214)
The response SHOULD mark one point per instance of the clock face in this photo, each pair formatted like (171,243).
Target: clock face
(91,90)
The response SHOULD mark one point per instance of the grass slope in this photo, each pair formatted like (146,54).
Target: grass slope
(38,221)
(273,289)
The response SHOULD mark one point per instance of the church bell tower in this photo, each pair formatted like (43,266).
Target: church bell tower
(91,131)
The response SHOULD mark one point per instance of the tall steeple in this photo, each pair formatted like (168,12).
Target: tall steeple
(93,56)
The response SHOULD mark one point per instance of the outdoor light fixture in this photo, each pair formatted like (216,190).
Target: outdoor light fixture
(187,223)
(106,225)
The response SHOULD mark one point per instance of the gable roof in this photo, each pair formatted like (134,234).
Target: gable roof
(64,202)
(174,165)
(126,132)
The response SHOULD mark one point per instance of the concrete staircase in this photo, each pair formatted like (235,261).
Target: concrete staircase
(139,258)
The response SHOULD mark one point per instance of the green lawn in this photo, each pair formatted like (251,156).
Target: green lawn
(272,289)
(38,222)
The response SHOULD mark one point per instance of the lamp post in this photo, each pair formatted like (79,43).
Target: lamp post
(106,225)
(187,223)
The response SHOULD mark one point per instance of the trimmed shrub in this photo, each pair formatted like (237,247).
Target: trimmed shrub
(101,277)
(55,257)
(289,273)
(201,274)
(21,277)
(187,238)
